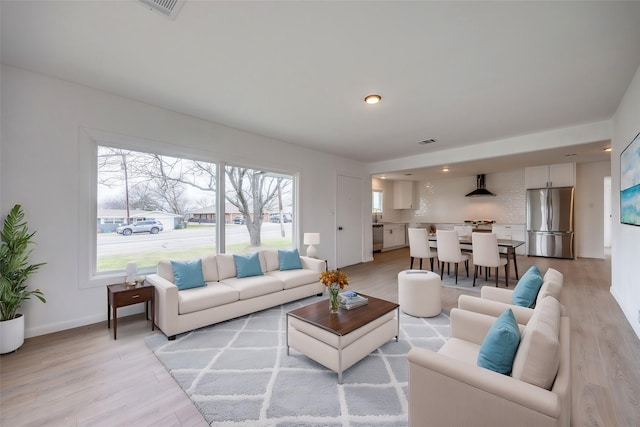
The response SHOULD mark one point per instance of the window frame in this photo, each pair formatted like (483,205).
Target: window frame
(88,142)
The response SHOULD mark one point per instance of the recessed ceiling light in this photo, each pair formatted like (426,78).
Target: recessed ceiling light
(445,169)
(607,149)
(383,177)
(372,99)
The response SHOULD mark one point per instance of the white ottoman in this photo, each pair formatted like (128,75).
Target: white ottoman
(419,293)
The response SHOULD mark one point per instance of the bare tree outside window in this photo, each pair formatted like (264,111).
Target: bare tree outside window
(134,187)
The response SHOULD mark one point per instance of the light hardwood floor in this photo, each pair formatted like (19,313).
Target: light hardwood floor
(82,377)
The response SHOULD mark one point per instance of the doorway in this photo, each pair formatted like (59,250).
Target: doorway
(608,220)
(349,221)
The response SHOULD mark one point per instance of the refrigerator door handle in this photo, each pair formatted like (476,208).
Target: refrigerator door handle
(549,210)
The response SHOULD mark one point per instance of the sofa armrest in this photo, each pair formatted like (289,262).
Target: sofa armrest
(469,326)
(497,294)
(314,264)
(438,384)
(166,304)
(494,308)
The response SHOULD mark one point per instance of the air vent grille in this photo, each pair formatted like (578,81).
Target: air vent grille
(427,141)
(168,8)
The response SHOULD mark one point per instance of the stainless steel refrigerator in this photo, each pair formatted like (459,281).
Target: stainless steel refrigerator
(550,222)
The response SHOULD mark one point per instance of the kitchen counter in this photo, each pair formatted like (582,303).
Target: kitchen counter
(389,235)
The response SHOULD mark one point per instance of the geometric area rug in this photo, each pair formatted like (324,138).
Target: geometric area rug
(237,373)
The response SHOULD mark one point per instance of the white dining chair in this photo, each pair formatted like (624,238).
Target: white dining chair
(449,251)
(419,246)
(464,233)
(487,255)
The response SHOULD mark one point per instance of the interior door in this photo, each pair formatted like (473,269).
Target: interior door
(349,221)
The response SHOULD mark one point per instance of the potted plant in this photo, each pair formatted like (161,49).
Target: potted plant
(15,269)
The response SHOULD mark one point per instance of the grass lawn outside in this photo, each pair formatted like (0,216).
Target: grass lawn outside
(151,258)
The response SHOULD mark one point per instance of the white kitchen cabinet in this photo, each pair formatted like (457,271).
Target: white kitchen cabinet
(513,232)
(560,175)
(403,197)
(394,236)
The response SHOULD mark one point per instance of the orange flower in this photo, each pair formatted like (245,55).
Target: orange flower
(334,276)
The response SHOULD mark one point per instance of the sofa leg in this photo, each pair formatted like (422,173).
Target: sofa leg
(172,338)
(319,295)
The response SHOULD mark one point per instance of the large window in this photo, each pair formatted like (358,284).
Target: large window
(151,207)
(376,205)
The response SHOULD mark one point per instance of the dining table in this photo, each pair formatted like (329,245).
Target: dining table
(508,244)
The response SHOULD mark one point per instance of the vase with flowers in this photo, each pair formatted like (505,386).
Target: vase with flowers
(334,280)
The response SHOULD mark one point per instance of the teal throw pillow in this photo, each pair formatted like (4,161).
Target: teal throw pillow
(500,344)
(526,291)
(534,269)
(247,265)
(188,274)
(289,259)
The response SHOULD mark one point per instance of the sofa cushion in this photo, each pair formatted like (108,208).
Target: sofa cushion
(538,357)
(549,288)
(289,259)
(187,274)
(226,266)
(255,286)
(526,291)
(552,285)
(500,344)
(211,295)
(553,274)
(247,265)
(295,278)
(210,269)
(269,260)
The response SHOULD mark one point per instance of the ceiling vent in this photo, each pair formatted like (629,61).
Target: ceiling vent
(169,8)
(427,141)
(480,189)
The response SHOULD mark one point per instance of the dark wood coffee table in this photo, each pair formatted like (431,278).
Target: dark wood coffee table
(342,339)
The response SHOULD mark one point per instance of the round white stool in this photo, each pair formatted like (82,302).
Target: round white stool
(419,293)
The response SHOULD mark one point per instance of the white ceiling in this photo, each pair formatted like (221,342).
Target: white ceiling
(460,72)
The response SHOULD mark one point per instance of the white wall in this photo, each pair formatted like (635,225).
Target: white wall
(40,162)
(625,244)
(589,209)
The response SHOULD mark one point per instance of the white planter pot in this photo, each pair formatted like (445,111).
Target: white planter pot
(11,334)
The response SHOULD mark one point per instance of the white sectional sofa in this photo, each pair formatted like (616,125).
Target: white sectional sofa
(226,296)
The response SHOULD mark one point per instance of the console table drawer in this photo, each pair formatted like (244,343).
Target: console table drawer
(134,296)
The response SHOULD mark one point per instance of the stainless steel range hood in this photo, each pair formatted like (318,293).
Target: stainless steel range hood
(480,189)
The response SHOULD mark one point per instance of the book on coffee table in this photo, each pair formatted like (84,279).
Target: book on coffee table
(350,300)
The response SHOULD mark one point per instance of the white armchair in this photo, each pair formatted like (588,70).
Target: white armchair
(447,388)
(494,301)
